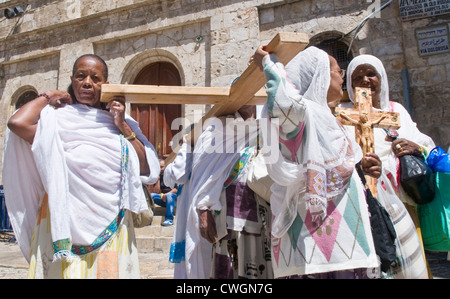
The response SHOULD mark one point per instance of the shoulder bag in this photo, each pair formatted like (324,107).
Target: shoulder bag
(144,218)
(383,231)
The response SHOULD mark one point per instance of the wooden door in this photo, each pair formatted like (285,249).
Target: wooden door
(155,120)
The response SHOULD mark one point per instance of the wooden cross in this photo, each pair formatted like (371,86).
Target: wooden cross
(364,118)
(246,90)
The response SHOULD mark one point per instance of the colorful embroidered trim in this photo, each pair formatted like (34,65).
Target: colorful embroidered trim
(239,166)
(102,238)
(61,246)
(123,163)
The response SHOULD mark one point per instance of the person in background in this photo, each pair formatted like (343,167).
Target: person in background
(165,196)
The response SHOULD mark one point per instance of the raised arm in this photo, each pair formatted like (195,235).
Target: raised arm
(284,100)
(24,122)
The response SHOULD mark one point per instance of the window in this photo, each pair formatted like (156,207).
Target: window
(338,50)
(25,98)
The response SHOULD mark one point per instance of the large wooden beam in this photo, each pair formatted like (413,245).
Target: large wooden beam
(246,90)
(153,94)
(286,45)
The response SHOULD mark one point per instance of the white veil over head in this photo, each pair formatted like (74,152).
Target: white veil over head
(379,67)
(309,71)
(326,156)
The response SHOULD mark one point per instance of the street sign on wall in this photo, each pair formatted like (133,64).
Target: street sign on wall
(415,9)
(433,40)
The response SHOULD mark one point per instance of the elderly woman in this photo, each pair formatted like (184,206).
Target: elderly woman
(73,170)
(320,225)
(368,71)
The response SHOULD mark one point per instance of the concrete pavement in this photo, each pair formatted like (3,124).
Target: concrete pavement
(13,265)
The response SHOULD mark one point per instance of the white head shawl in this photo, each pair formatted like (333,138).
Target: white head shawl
(408,129)
(326,154)
(309,71)
(378,65)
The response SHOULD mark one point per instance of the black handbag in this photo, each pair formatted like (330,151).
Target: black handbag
(417,179)
(383,231)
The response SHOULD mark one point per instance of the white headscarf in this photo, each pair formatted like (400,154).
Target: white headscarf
(408,129)
(326,153)
(378,65)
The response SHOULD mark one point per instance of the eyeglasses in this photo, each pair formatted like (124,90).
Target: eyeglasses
(341,73)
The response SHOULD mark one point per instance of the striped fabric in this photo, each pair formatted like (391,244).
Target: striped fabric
(410,263)
(117,258)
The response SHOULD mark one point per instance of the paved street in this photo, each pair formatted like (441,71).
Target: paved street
(14,266)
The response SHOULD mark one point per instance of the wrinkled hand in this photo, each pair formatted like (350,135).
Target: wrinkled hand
(372,165)
(59,98)
(258,56)
(117,107)
(208,226)
(402,147)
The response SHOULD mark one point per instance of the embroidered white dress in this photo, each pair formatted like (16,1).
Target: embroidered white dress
(320,216)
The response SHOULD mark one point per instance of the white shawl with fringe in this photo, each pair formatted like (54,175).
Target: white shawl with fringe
(320,217)
(215,153)
(314,146)
(76,159)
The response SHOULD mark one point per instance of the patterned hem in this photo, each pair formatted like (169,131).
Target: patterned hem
(65,245)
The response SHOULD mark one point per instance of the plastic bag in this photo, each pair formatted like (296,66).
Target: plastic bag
(417,179)
(439,160)
(435,216)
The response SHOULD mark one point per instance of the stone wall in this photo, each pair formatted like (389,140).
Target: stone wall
(210,43)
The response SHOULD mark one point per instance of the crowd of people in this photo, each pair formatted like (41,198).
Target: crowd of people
(69,156)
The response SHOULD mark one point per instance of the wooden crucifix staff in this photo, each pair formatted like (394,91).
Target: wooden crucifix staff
(364,118)
(246,90)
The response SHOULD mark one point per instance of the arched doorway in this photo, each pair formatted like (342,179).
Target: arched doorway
(155,119)
(25,98)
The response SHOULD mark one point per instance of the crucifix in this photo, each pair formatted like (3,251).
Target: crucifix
(246,90)
(364,118)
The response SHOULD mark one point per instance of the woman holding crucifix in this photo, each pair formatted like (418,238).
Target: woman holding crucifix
(368,71)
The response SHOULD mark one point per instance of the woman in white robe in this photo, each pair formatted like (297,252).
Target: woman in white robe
(368,71)
(203,173)
(73,171)
(320,225)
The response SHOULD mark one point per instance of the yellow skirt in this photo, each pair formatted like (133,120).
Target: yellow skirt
(117,258)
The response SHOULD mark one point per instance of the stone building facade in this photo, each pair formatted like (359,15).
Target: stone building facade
(210,43)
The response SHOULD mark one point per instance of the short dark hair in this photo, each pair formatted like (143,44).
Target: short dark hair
(96,57)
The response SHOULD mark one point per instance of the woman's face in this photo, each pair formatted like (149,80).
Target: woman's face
(87,81)
(365,75)
(335,92)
